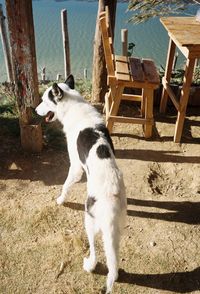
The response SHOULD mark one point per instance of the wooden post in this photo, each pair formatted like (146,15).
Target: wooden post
(58,77)
(85,73)
(65,35)
(22,41)
(5,45)
(43,74)
(124,39)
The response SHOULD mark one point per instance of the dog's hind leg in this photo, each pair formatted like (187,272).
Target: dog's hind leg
(89,263)
(111,240)
(74,176)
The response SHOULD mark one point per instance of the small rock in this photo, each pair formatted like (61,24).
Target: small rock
(152,243)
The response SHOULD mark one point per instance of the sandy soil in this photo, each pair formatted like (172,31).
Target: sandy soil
(42,245)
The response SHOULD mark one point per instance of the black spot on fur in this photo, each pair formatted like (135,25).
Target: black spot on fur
(86,139)
(89,203)
(106,135)
(52,97)
(103,151)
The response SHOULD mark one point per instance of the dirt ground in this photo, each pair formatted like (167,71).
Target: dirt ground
(42,245)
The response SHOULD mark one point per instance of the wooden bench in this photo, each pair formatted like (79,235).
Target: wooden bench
(124,72)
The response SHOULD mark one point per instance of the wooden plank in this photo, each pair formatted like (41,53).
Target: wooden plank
(132,97)
(115,106)
(170,93)
(106,44)
(136,69)
(185,29)
(122,68)
(150,71)
(131,120)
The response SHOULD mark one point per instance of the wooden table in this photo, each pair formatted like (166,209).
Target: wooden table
(184,33)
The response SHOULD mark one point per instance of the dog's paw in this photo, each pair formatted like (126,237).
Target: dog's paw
(89,264)
(60,200)
(111,278)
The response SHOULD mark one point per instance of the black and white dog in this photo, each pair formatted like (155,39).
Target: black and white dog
(91,150)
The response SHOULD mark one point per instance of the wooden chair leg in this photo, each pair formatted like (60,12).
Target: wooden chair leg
(143,103)
(108,102)
(148,93)
(115,106)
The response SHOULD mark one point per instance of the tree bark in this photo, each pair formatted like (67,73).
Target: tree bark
(99,74)
(22,41)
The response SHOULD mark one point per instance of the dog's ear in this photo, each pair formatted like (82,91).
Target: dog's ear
(57,91)
(70,81)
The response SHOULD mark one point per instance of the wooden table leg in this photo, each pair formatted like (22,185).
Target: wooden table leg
(184,99)
(168,71)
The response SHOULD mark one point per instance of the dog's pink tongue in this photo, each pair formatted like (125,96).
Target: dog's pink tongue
(47,119)
(49,116)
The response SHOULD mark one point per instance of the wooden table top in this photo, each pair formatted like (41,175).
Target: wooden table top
(185,31)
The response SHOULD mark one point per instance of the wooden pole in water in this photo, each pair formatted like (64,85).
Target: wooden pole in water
(65,35)
(22,41)
(124,39)
(5,45)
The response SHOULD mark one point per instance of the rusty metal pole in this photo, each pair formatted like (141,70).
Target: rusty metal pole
(22,41)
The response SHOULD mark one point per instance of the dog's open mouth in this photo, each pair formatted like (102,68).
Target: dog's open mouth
(49,116)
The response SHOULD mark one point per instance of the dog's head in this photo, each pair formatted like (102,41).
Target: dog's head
(52,97)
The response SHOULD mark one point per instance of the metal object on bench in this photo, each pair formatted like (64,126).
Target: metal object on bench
(124,72)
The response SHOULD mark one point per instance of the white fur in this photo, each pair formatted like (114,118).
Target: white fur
(104,179)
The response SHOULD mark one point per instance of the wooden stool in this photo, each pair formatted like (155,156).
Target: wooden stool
(124,72)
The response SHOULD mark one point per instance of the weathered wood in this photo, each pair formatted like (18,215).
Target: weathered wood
(107,45)
(150,71)
(185,29)
(131,73)
(184,32)
(22,41)
(5,45)
(99,73)
(136,69)
(66,48)
(31,137)
(171,94)
(124,40)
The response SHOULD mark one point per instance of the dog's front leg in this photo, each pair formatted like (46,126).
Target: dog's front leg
(74,176)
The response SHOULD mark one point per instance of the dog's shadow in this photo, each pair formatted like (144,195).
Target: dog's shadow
(180,282)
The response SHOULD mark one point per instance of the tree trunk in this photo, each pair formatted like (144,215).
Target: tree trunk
(99,75)
(22,41)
